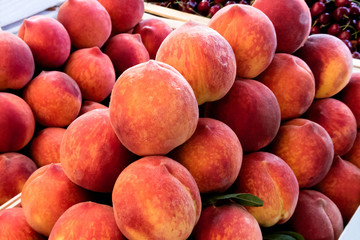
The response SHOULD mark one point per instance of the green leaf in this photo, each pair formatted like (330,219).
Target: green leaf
(283,235)
(245,199)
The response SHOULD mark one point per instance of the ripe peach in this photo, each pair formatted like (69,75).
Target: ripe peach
(213,155)
(93,71)
(87,106)
(48,40)
(91,154)
(292,33)
(54,97)
(338,121)
(46,195)
(330,61)
(124,14)
(227,222)
(17,64)
(45,146)
(307,148)
(17,123)
(87,22)
(203,57)
(153,31)
(353,155)
(295,96)
(267,176)
(251,35)
(251,110)
(13,225)
(342,186)
(155,197)
(126,50)
(153,109)
(15,169)
(87,220)
(316,217)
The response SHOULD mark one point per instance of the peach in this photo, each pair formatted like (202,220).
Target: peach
(124,14)
(295,96)
(87,220)
(153,109)
(91,154)
(268,177)
(213,155)
(307,148)
(48,40)
(17,65)
(45,146)
(156,197)
(153,31)
(337,119)
(203,57)
(341,185)
(15,169)
(54,97)
(350,95)
(46,195)
(227,222)
(93,71)
(251,35)
(87,106)
(126,50)
(330,60)
(353,155)
(292,33)
(316,217)
(87,22)
(17,123)
(13,225)
(251,110)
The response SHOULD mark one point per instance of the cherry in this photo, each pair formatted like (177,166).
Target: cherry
(358,25)
(324,18)
(354,10)
(315,30)
(203,7)
(348,44)
(356,55)
(342,3)
(340,13)
(334,29)
(317,9)
(219,1)
(344,35)
(213,9)
(244,2)
(230,2)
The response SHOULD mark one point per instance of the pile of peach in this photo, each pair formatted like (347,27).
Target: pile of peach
(114,127)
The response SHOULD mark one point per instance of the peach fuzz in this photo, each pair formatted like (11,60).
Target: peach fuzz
(353,155)
(46,195)
(156,197)
(292,33)
(54,97)
(17,123)
(45,146)
(93,71)
(307,148)
(330,60)
(337,119)
(153,31)
(316,217)
(126,50)
(13,225)
(350,95)
(342,186)
(153,109)
(251,110)
(17,65)
(203,57)
(213,155)
(251,35)
(91,154)
(87,106)
(87,22)
(294,96)
(227,222)
(124,14)
(87,220)
(48,40)
(15,169)
(268,177)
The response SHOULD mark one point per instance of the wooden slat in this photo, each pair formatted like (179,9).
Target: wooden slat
(356,65)
(14,202)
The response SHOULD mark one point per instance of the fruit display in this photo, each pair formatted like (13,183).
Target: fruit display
(113,126)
